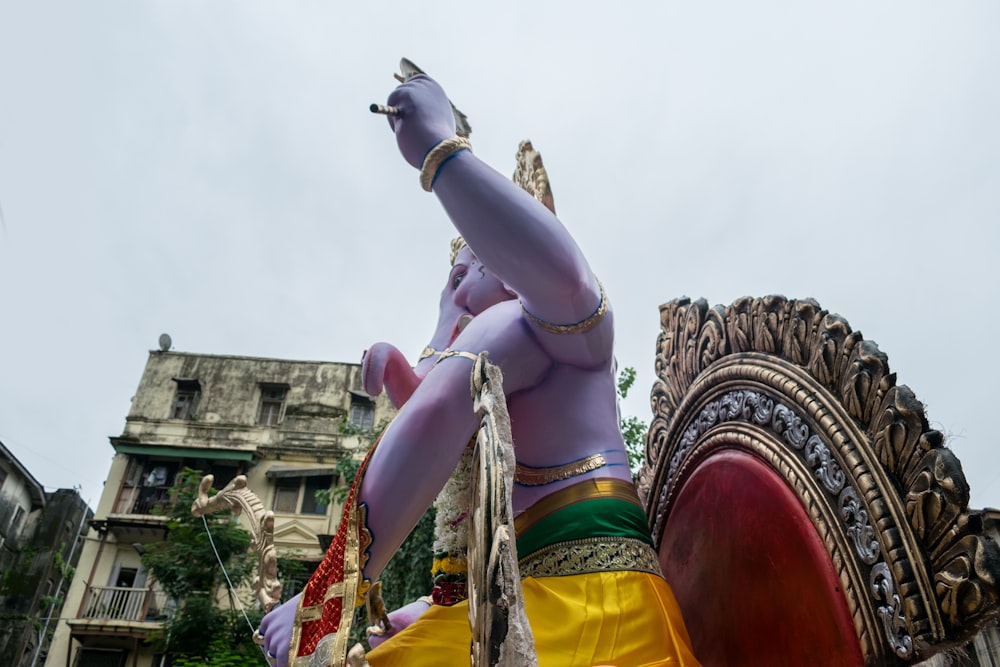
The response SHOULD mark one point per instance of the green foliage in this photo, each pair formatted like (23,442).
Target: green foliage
(407,576)
(633,429)
(290,566)
(347,467)
(65,569)
(208,636)
(346,470)
(185,563)
(186,568)
(222,653)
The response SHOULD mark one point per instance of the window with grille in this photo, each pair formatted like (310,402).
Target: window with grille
(362,413)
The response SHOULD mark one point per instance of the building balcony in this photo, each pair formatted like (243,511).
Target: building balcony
(116,609)
(143,500)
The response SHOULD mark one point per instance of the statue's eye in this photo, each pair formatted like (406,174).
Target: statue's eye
(457,280)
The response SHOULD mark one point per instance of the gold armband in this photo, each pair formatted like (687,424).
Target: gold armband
(580,327)
(437,156)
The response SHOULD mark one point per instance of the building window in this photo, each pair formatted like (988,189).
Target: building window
(186,400)
(15,524)
(310,485)
(297,495)
(286,494)
(272,401)
(157,479)
(362,413)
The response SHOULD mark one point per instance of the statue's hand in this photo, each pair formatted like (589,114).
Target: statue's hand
(425,117)
(384,366)
(276,627)
(400,619)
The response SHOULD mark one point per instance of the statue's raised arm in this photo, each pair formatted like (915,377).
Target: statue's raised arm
(516,237)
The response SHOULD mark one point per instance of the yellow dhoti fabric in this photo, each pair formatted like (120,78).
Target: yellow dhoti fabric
(626,619)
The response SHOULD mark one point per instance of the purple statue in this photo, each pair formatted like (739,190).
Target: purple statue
(521,289)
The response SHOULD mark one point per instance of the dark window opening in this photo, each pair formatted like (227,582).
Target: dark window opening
(272,401)
(149,483)
(96,657)
(15,524)
(186,400)
(310,504)
(298,494)
(126,577)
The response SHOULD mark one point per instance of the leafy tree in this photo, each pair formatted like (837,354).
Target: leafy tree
(633,429)
(185,565)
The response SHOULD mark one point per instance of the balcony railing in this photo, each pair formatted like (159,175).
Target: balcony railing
(143,500)
(116,603)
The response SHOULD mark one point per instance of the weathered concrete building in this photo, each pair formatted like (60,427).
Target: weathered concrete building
(40,534)
(280,423)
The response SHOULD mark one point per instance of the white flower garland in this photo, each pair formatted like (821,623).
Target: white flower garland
(451,530)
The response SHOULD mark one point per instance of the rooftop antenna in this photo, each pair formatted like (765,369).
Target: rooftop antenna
(165,342)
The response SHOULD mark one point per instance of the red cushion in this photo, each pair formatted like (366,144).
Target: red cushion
(750,572)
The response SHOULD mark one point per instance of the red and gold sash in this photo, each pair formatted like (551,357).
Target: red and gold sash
(323,620)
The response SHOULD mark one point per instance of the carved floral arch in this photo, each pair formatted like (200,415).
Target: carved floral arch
(791,388)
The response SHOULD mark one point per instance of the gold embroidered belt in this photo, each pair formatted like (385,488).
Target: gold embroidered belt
(589,555)
(530,476)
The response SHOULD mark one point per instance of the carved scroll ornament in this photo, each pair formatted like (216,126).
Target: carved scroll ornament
(825,412)
(236,497)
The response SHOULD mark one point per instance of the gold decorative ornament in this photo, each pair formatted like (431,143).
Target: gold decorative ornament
(437,155)
(591,554)
(457,244)
(530,174)
(427,353)
(530,476)
(448,353)
(583,326)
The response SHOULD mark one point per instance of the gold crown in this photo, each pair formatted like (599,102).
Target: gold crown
(457,244)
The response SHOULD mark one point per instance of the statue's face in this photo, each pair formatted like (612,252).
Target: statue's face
(472,288)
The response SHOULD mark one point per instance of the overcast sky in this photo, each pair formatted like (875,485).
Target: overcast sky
(211,170)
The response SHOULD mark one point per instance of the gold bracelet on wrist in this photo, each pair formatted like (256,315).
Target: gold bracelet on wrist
(437,156)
